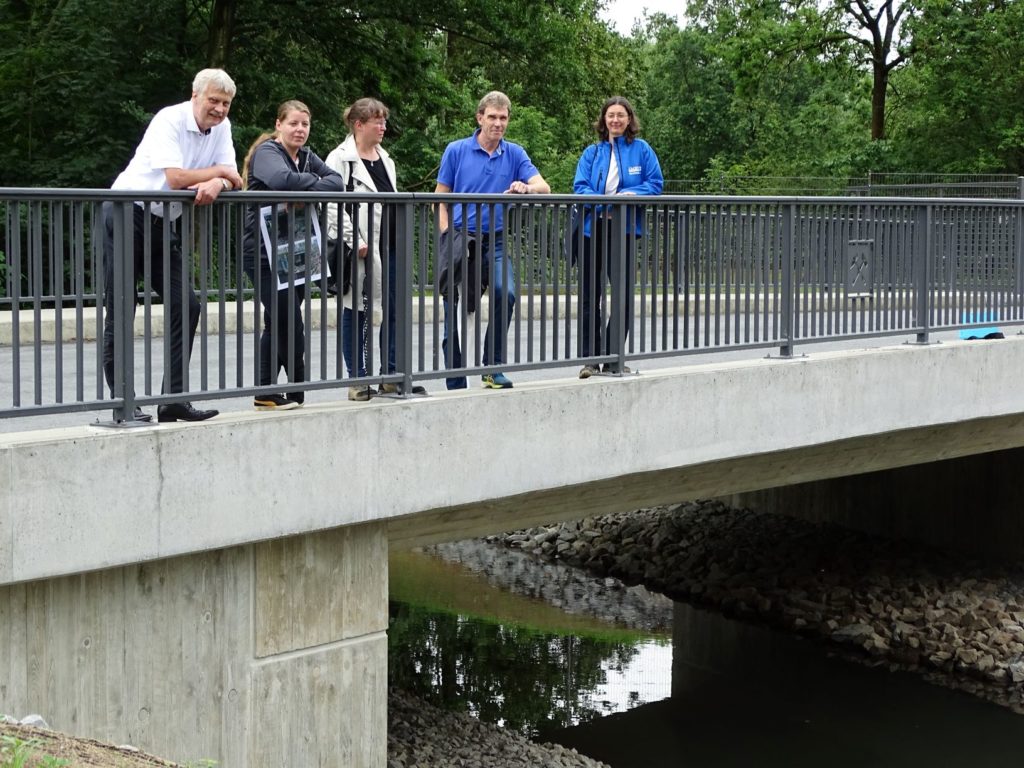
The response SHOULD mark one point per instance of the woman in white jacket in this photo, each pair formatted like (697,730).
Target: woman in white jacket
(370,228)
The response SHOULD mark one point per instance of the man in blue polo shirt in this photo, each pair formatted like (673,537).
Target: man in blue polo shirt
(483,163)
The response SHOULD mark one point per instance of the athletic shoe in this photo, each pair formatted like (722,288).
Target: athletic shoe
(496,381)
(360,394)
(274,403)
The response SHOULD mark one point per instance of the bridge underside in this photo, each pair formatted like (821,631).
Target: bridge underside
(771,482)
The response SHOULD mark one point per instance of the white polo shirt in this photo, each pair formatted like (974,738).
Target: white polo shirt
(173,140)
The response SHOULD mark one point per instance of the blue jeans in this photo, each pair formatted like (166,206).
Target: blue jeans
(490,248)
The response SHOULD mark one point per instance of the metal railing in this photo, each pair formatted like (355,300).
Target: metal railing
(707,274)
(944,185)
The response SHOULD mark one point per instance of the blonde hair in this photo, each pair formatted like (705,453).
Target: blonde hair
(292,105)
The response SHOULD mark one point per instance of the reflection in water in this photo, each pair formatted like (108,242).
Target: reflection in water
(741,695)
(528,681)
(747,696)
(530,675)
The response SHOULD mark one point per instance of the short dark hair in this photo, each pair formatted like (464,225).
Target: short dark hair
(632,129)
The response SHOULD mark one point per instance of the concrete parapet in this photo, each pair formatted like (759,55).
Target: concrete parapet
(472,462)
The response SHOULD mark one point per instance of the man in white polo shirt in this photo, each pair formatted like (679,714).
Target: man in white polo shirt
(186,146)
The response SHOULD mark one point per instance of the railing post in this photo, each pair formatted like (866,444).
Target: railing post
(787,322)
(404,254)
(923,271)
(620,301)
(123,308)
(1019,255)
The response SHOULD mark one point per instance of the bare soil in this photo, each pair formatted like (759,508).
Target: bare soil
(48,748)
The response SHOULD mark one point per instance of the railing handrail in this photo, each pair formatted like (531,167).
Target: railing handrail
(183,196)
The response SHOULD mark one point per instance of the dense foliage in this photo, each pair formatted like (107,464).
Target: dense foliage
(832,88)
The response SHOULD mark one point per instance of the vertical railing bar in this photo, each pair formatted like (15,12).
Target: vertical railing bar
(404,256)
(36,257)
(79,283)
(57,262)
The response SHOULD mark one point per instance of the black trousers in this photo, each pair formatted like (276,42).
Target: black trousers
(280,326)
(599,262)
(177,287)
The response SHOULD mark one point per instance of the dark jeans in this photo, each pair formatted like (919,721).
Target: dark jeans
(171,294)
(490,248)
(355,354)
(599,262)
(286,329)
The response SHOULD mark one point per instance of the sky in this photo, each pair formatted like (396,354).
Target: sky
(622,13)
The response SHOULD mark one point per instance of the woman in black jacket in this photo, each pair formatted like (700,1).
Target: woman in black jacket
(281,161)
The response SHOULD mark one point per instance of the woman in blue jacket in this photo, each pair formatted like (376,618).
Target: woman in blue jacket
(281,161)
(618,164)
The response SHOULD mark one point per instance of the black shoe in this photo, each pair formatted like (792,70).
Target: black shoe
(183,412)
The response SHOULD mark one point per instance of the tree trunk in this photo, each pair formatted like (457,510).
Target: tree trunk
(222,25)
(879,86)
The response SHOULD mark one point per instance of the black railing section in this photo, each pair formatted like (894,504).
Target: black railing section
(705,274)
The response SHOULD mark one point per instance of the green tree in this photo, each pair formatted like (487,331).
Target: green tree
(962,101)
(86,76)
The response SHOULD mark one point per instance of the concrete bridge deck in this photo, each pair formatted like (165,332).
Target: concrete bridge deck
(81,498)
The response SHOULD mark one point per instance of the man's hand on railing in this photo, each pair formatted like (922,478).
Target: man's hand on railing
(207,191)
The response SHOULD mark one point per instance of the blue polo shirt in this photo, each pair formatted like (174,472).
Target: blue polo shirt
(467,168)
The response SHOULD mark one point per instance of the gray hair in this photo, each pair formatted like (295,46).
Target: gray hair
(216,78)
(495,99)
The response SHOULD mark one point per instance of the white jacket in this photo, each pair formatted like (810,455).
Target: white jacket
(345,159)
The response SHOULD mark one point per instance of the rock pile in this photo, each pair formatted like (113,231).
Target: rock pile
(423,736)
(959,621)
(571,590)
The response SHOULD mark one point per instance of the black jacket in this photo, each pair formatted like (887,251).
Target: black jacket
(270,168)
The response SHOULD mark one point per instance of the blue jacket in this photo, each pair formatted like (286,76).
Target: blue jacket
(639,172)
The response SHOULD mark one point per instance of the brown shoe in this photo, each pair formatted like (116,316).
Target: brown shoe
(360,394)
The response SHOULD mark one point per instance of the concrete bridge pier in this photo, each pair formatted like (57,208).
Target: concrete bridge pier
(266,654)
